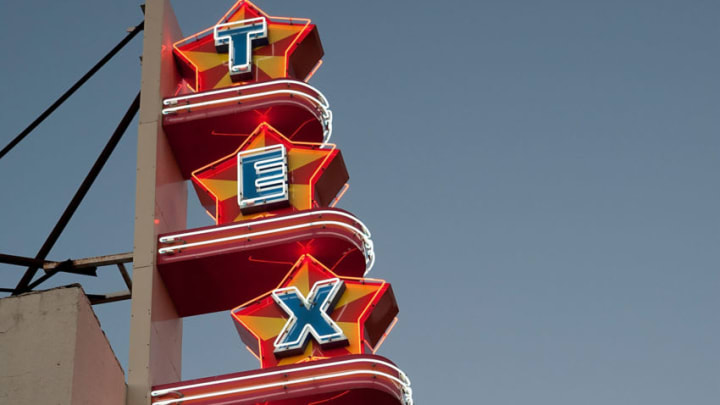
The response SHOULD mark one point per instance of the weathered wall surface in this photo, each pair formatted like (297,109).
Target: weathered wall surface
(160,206)
(52,351)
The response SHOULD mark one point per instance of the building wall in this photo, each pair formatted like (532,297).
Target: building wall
(53,351)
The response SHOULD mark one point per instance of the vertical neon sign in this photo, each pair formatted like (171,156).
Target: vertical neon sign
(252,137)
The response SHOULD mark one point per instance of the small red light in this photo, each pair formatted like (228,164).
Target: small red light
(263,117)
(157,221)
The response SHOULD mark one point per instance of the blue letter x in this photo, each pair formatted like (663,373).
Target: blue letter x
(309,316)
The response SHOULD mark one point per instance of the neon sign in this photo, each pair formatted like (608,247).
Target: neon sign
(309,316)
(237,39)
(252,136)
(315,173)
(363,310)
(265,48)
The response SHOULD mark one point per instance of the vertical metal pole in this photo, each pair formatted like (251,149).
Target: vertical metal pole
(160,206)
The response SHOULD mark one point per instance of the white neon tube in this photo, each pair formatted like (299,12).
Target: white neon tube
(176,100)
(320,102)
(368,244)
(166,111)
(404,381)
(290,382)
(402,374)
(172,238)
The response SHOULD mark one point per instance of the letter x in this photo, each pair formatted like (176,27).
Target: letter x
(237,37)
(309,316)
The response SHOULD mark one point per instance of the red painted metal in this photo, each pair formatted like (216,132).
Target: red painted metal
(315,176)
(368,379)
(201,135)
(364,312)
(222,275)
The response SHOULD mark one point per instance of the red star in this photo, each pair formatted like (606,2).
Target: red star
(293,50)
(364,312)
(315,176)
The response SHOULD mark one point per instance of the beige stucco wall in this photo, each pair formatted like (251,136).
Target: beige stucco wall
(53,351)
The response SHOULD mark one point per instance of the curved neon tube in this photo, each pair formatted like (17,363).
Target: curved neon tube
(321,102)
(171,238)
(404,381)
(405,389)
(176,100)
(166,111)
(369,254)
(158,393)
(326,114)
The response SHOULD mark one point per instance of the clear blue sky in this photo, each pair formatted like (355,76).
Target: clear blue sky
(540,178)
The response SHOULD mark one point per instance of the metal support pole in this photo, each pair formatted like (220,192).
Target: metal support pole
(72,89)
(125,276)
(22,286)
(112,297)
(21,261)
